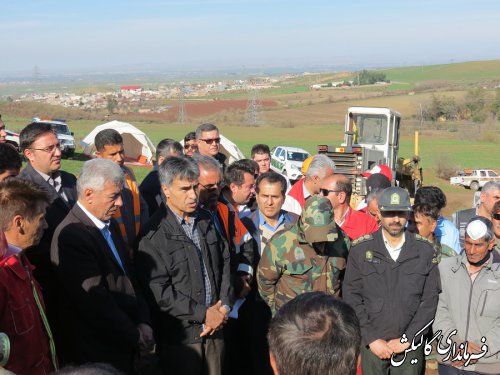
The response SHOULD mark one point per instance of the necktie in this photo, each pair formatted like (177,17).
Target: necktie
(109,240)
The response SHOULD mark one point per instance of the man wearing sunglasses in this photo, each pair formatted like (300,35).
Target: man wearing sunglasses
(338,189)
(208,138)
(392,282)
(495,219)
(190,144)
(490,194)
(40,146)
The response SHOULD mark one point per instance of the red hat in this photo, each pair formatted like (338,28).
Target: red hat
(382,169)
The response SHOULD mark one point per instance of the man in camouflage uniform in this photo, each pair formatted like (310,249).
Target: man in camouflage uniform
(305,257)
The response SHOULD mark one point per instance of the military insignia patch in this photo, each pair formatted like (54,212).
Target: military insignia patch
(299,254)
(395,199)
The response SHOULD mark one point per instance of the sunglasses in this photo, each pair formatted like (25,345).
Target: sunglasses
(496,216)
(212,187)
(193,147)
(210,141)
(325,192)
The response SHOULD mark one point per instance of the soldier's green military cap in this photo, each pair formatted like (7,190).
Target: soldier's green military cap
(394,199)
(317,221)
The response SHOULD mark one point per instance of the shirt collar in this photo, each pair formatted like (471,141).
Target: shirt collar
(262,220)
(98,223)
(393,248)
(181,220)
(306,192)
(11,250)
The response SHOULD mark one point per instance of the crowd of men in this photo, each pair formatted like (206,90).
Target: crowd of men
(210,268)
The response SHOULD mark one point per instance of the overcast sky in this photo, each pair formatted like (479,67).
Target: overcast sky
(73,36)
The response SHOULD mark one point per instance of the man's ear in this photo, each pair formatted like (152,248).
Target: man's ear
(28,154)
(491,244)
(273,363)
(166,191)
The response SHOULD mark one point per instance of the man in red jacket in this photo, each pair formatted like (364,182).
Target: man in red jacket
(338,190)
(22,311)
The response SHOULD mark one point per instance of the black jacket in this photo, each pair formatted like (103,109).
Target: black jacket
(100,306)
(39,255)
(169,268)
(150,190)
(391,297)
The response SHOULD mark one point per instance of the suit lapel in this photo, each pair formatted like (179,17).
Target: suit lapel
(97,234)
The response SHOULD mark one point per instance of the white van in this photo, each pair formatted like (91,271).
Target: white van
(288,161)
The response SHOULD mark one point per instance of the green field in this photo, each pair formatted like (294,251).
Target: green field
(305,118)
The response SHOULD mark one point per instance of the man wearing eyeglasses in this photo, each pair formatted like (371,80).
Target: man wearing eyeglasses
(338,189)
(392,282)
(40,146)
(208,138)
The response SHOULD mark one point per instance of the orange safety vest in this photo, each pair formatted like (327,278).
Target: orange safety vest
(132,185)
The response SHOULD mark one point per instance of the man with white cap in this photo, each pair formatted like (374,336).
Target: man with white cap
(469,304)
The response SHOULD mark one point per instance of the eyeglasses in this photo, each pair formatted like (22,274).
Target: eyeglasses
(212,187)
(48,149)
(496,216)
(325,192)
(211,140)
(193,147)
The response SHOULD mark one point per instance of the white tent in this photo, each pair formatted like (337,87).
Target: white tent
(137,146)
(229,149)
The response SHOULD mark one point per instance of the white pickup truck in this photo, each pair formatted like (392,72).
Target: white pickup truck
(474,179)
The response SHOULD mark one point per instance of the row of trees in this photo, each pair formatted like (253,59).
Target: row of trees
(477,105)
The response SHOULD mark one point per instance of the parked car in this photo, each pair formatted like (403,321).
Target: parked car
(288,161)
(474,179)
(13,139)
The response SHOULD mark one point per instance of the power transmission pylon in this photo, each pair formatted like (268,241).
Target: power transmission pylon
(252,117)
(182,108)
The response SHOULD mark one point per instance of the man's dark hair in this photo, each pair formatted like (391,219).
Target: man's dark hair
(32,132)
(315,333)
(166,146)
(345,186)
(20,197)
(271,178)
(107,137)
(208,127)
(427,210)
(235,173)
(431,195)
(260,149)
(9,158)
(189,137)
(90,369)
(181,167)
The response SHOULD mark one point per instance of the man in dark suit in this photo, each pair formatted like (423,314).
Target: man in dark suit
(150,187)
(184,263)
(101,313)
(40,146)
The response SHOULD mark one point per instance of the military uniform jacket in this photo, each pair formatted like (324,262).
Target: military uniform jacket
(289,267)
(391,297)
